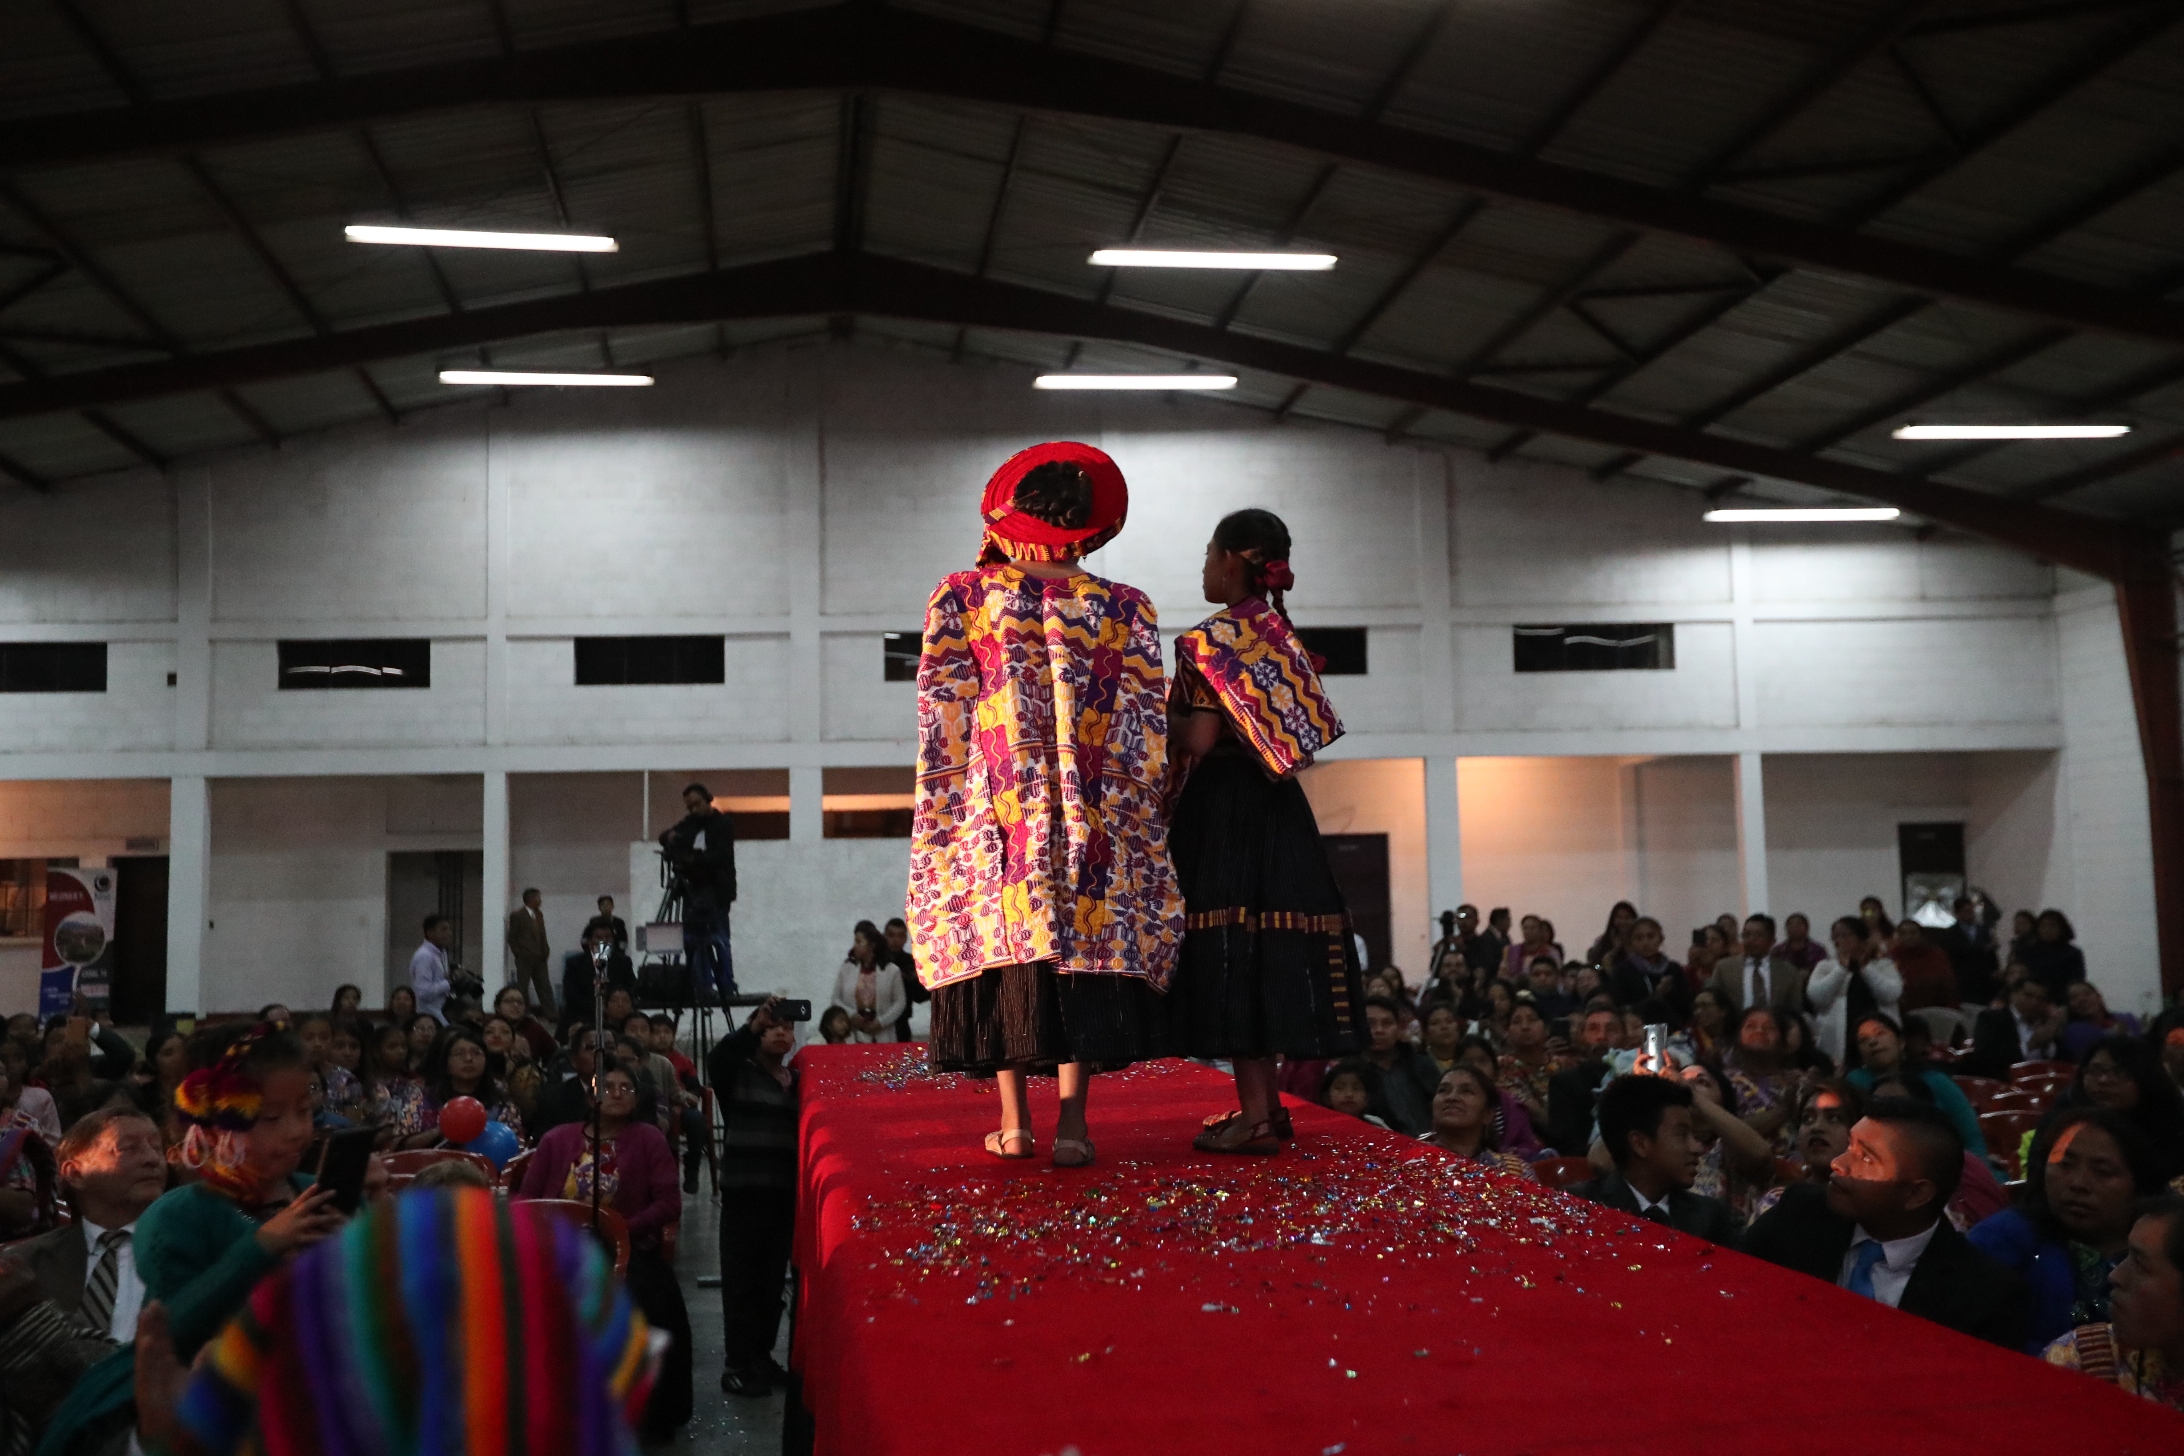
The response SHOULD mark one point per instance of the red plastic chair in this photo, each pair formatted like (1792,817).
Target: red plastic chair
(2017,1099)
(512,1175)
(2033,1071)
(613,1230)
(2048,1088)
(1561,1173)
(2006,1129)
(1977,1090)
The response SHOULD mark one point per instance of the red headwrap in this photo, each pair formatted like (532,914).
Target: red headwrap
(1011,533)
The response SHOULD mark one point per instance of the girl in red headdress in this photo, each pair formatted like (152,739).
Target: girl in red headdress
(1043,910)
(1268,966)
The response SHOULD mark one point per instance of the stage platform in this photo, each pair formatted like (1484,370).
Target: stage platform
(1358,1294)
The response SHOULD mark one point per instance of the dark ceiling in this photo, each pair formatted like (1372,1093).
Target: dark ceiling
(1728,245)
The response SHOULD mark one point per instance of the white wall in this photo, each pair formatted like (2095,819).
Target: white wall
(802,500)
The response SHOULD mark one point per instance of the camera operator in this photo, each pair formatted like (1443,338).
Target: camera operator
(757,1088)
(702,850)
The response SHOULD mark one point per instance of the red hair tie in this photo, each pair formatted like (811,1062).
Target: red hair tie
(1277,576)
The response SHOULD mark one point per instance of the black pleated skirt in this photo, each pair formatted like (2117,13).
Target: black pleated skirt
(1268,966)
(1035,1018)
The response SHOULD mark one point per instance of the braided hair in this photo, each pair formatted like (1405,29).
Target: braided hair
(1058,493)
(1263,541)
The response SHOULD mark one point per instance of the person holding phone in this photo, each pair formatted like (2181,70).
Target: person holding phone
(758,1098)
(201,1247)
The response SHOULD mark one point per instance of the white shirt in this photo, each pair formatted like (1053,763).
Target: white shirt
(1898,1258)
(1758,990)
(128,1288)
(1647,1205)
(2026,1032)
(429,979)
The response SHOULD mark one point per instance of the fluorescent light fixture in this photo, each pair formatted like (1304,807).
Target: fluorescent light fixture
(1807,513)
(1183,258)
(1134,381)
(534,376)
(358,232)
(2011,432)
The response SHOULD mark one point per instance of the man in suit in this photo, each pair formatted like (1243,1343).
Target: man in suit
(113,1166)
(577,972)
(614,924)
(1645,1121)
(2028,1029)
(1758,977)
(527,943)
(1877,1227)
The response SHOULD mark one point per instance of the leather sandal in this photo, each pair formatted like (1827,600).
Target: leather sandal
(1283,1129)
(1073,1152)
(1258,1140)
(997,1143)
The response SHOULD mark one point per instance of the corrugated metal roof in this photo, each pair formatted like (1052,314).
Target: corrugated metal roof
(1493,74)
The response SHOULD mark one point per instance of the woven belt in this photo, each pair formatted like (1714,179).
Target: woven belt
(1253,922)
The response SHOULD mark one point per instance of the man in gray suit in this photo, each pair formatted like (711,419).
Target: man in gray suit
(1757,976)
(527,944)
(113,1166)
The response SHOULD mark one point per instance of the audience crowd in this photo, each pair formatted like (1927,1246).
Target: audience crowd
(1949,1121)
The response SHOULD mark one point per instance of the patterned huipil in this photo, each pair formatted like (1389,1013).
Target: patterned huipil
(1042,747)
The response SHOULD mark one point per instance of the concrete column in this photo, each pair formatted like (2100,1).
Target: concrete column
(1444,838)
(1752,832)
(493,914)
(189,879)
(807,805)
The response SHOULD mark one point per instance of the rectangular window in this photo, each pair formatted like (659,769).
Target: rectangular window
(52,667)
(899,655)
(1596,647)
(373,662)
(608,662)
(1343,647)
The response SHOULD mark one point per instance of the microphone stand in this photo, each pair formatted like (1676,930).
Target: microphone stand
(601,952)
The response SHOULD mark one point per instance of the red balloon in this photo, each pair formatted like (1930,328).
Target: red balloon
(462,1119)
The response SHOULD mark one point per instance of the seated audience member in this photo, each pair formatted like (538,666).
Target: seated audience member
(2029,1030)
(1646,1124)
(1929,979)
(1709,1034)
(1734,1161)
(2051,958)
(1706,950)
(690,1117)
(1463,1120)
(510,1002)
(29,1191)
(401,1005)
(565,1097)
(1587,982)
(1441,1033)
(113,1166)
(577,972)
(1352,1086)
(2123,1075)
(1849,986)
(635,1171)
(66,1071)
(2167,1038)
(2088,1170)
(834,1026)
(1572,1091)
(758,1093)
(450,1173)
(395,1099)
(1537,939)
(1407,1075)
(465,1072)
(2141,1348)
(1499,998)
(869,987)
(1642,972)
(1827,1109)
(660,1074)
(1881,1054)
(2090,1020)
(348,1002)
(615,926)
(1528,1066)
(1758,1075)
(1876,1228)
(200,1248)
(1969,944)
(1543,978)
(1613,941)
(271,1380)
(1980,1195)
(1451,980)
(1513,1130)
(1797,945)
(1755,976)
(1799,1052)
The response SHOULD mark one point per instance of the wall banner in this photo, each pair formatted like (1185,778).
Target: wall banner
(78,955)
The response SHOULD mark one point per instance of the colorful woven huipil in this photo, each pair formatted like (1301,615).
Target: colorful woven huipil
(1264,681)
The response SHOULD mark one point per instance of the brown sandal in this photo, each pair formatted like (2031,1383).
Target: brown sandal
(1283,1129)
(1258,1140)
(997,1143)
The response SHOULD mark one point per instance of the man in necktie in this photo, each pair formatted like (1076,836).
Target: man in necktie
(1646,1123)
(112,1167)
(1756,976)
(1877,1228)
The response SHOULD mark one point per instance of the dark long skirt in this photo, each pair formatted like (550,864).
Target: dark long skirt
(1268,964)
(658,1294)
(1037,1018)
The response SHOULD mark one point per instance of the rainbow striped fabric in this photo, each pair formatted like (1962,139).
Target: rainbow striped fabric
(440,1324)
(1265,683)
(1038,833)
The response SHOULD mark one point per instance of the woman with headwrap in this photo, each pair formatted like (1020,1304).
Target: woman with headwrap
(1043,909)
(202,1246)
(442,1324)
(1268,966)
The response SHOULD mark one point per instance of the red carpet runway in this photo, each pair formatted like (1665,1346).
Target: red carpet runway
(1357,1295)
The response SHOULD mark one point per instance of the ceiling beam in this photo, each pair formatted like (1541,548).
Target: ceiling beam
(827,285)
(873,48)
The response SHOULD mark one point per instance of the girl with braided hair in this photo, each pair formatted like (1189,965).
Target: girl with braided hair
(1268,967)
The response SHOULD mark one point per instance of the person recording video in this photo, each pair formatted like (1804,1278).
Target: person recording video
(701,850)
